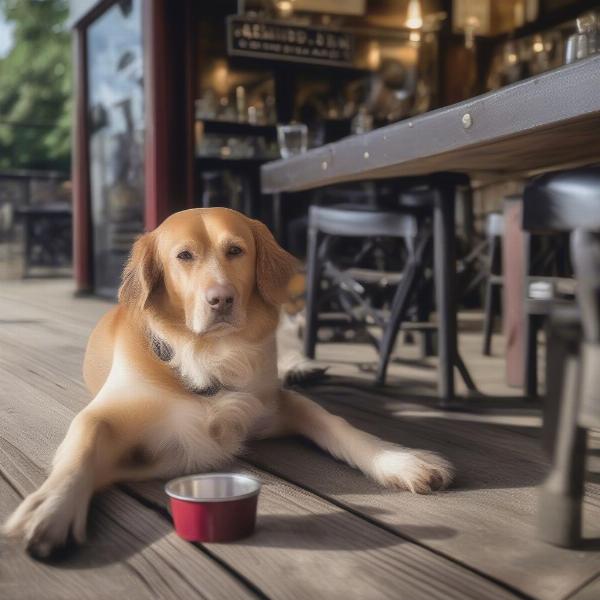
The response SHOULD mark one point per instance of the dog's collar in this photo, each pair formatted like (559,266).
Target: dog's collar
(164,352)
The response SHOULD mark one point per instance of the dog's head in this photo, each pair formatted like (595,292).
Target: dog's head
(207,266)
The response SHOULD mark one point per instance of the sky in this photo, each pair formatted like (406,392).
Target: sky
(5,36)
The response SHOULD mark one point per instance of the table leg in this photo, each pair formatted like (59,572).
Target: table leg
(445,290)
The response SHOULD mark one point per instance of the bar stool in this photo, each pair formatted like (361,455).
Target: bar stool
(569,201)
(326,222)
(329,223)
(494,230)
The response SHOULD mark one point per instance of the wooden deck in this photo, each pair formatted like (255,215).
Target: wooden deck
(324,531)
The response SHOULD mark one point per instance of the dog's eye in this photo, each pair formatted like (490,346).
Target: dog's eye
(234,251)
(185,255)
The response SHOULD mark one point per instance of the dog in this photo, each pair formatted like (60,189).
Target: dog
(184,371)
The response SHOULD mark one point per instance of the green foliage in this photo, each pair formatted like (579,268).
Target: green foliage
(35,87)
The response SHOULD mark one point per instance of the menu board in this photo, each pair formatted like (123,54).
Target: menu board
(279,41)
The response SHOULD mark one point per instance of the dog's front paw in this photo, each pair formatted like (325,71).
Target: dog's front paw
(45,519)
(416,470)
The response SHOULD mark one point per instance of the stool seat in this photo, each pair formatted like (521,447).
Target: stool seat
(362,220)
(351,286)
(410,210)
(563,201)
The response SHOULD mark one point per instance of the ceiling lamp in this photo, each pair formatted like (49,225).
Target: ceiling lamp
(285,8)
(414,16)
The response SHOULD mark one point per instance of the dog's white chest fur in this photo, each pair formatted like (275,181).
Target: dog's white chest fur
(204,431)
(201,430)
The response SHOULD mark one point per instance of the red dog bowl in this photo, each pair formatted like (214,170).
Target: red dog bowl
(217,507)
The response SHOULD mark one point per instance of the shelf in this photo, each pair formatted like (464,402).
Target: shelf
(235,128)
(216,162)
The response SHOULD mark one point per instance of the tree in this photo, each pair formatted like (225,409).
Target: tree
(35,87)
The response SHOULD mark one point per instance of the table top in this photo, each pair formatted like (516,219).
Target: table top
(546,121)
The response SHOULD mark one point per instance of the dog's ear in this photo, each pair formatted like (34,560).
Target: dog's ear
(274,266)
(141,274)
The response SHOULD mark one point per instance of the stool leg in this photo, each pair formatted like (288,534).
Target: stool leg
(313,281)
(397,313)
(557,353)
(491,295)
(488,321)
(585,254)
(531,331)
(562,492)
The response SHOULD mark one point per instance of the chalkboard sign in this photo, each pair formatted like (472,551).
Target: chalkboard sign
(278,41)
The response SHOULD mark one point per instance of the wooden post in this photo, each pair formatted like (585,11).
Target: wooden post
(82,247)
(513,261)
(167,109)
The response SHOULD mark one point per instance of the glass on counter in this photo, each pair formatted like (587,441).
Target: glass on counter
(586,41)
(292,138)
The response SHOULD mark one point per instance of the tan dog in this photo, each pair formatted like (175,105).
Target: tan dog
(184,371)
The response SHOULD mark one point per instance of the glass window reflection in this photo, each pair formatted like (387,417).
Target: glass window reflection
(116,123)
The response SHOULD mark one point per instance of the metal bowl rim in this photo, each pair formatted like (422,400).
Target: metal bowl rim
(174,482)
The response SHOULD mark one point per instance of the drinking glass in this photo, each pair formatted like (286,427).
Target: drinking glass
(292,138)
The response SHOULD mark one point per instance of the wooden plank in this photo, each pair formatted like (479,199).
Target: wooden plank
(304,547)
(557,113)
(590,591)
(22,577)
(490,510)
(130,544)
(125,557)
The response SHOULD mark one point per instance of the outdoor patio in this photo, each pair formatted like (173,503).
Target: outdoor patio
(323,529)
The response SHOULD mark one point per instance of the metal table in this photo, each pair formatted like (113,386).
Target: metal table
(548,121)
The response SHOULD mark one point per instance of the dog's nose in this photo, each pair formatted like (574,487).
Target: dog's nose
(220,298)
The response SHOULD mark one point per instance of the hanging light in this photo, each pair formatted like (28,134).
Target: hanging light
(285,8)
(414,16)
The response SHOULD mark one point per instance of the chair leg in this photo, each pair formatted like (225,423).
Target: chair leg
(397,313)
(531,331)
(428,344)
(560,504)
(313,281)
(488,321)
